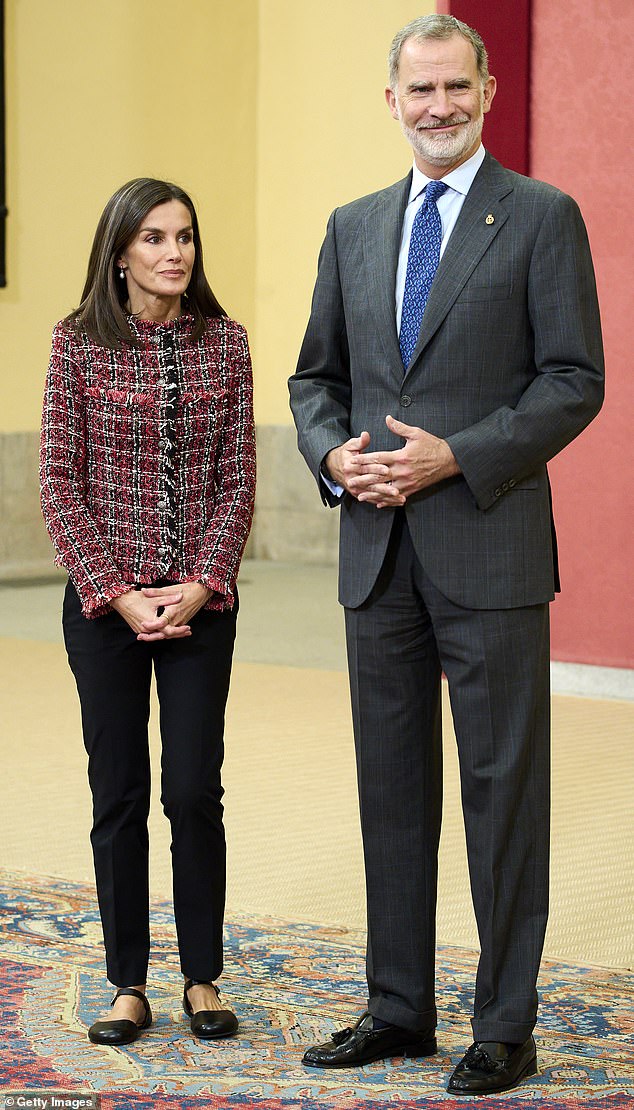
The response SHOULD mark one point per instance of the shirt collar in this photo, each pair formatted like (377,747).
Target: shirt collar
(460,179)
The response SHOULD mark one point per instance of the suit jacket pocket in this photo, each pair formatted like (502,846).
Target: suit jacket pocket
(493,291)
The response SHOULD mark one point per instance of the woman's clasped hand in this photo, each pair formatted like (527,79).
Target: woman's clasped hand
(162,612)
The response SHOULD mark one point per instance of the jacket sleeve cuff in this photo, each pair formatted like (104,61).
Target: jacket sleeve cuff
(98,604)
(222,593)
(486,492)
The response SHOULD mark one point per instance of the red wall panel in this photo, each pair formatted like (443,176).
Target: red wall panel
(580,141)
(560,113)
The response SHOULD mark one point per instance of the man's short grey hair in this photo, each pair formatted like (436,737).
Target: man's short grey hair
(437,27)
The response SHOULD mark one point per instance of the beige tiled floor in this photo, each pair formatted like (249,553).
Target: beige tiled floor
(294,845)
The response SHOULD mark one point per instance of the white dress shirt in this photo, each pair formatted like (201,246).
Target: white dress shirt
(449,205)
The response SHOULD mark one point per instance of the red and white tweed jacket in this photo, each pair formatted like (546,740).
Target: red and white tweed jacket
(147,464)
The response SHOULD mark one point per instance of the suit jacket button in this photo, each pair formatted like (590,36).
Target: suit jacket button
(505,487)
(512,483)
(498,492)
(406,400)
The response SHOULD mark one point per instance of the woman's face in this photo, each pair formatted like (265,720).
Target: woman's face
(158,262)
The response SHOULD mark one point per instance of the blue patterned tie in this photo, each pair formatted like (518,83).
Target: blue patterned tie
(422,263)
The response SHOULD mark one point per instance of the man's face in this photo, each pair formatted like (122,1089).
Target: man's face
(440,102)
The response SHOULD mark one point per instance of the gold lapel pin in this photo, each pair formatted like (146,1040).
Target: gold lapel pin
(490,219)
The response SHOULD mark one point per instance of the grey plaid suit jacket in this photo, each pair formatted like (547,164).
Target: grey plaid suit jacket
(508,369)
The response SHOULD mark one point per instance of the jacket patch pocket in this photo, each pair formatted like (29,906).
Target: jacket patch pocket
(120,424)
(199,423)
(120,398)
(203,397)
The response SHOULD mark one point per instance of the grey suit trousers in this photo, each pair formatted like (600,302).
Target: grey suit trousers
(497,665)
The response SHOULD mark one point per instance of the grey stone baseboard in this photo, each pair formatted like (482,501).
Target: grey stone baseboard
(25,549)
(586,681)
(291,523)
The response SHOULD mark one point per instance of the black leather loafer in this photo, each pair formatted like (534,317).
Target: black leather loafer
(121,1030)
(209,1024)
(488,1067)
(349,1048)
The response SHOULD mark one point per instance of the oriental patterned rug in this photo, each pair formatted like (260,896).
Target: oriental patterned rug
(291,984)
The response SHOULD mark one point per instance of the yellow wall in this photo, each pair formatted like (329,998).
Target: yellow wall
(270,112)
(324,137)
(100,91)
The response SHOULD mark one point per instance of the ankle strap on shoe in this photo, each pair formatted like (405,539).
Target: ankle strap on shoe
(201,983)
(135,994)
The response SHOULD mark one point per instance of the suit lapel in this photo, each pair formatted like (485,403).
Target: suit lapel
(481,218)
(381,244)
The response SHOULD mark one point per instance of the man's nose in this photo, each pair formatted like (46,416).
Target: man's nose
(441,104)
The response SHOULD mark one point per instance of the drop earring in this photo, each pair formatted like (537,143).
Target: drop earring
(122,274)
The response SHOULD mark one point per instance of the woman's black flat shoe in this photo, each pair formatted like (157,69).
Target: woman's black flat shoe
(209,1024)
(121,1030)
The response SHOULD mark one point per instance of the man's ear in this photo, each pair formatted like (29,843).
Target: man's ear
(488,93)
(392,103)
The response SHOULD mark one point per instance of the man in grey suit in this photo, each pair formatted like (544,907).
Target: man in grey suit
(453,348)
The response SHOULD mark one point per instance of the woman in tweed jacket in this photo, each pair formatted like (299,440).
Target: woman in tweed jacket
(148,480)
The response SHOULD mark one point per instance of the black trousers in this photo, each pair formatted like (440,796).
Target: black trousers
(497,666)
(113,671)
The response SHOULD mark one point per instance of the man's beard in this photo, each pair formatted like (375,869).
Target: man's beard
(444,149)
